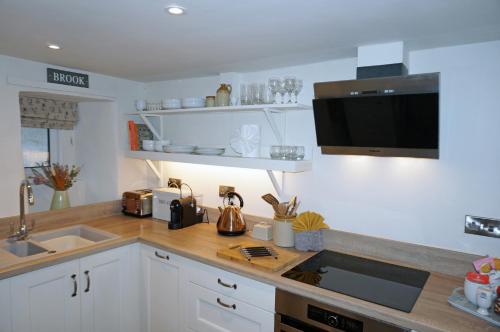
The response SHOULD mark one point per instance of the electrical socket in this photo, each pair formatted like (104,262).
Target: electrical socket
(173,182)
(225,189)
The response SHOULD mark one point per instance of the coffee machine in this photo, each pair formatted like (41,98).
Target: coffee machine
(183,211)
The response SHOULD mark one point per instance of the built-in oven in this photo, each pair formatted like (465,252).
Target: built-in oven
(295,313)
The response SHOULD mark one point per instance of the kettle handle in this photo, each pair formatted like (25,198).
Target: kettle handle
(231,194)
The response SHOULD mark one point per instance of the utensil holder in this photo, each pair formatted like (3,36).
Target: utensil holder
(283,232)
(309,241)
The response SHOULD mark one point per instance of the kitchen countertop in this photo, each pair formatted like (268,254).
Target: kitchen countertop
(200,242)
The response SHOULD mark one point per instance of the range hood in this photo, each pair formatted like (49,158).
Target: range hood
(384,116)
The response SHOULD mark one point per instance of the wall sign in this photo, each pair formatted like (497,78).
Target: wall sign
(67,78)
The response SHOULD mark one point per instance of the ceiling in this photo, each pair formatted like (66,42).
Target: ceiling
(135,39)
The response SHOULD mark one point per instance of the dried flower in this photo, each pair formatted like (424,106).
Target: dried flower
(57,176)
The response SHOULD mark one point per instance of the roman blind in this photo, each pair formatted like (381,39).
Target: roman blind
(48,113)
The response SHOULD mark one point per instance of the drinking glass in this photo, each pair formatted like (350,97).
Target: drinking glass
(291,152)
(289,86)
(140,105)
(298,88)
(243,94)
(262,93)
(300,152)
(275,151)
(253,94)
(274,87)
(282,92)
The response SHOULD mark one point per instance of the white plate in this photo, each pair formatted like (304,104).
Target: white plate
(179,148)
(210,151)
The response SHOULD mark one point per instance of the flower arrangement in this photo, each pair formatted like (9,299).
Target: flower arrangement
(56,176)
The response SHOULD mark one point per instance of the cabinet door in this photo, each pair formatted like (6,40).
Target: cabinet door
(160,290)
(47,300)
(5,307)
(104,279)
(210,311)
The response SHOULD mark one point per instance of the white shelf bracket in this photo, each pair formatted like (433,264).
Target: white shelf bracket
(274,126)
(151,127)
(279,188)
(153,167)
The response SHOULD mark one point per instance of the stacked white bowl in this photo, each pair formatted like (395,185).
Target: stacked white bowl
(171,103)
(193,102)
(148,145)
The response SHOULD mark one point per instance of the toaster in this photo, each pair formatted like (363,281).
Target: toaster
(138,203)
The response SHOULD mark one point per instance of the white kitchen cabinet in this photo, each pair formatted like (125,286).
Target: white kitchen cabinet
(105,285)
(210,311)
(92,294)
(47,300)
(160,290)
(5,307)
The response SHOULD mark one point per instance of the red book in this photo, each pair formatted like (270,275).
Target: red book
(133,135)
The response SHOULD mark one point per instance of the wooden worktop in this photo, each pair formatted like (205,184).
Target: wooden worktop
(200,243)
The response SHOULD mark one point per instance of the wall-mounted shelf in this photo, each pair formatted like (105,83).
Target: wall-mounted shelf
(273,108)
(289,166)
(270,165)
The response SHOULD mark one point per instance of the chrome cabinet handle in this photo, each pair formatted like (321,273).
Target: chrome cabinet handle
(230,306)
(222,283)
(161,256)
(88,281)
(75,285)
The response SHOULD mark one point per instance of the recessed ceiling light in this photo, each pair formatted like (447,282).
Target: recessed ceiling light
(175,10)
(53,46)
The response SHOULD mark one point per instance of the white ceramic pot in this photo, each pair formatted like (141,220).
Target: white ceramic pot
(472,282)
(283,233)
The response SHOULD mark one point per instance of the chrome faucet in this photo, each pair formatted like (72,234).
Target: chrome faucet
(22,231)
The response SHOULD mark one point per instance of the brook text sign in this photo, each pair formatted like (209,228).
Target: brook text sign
(67,78)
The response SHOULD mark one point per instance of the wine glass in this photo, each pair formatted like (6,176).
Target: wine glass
(274,87)
(289,86)
(297,89)
(282,92)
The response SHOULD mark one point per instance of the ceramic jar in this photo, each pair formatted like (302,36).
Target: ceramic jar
(283,232)
(472,282)
(209,101)
(223,96)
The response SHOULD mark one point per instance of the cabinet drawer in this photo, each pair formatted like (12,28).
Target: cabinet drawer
(229,284)
(213,312)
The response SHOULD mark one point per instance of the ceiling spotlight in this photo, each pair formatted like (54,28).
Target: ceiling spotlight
(175,10)
(53,46)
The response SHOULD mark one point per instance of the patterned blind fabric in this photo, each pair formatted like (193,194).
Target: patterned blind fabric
(48,113)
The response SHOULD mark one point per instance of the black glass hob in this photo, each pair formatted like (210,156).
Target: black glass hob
(386,284)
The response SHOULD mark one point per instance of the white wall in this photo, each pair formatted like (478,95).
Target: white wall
(414,200)
(106,140)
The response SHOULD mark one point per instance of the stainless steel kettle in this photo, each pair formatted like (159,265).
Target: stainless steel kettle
(231,220)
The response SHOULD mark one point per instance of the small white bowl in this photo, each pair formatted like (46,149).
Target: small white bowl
(193,102)
(158,146)
(171,103)
(148,145)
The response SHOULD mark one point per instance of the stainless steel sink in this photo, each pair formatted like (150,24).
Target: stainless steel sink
(23,248)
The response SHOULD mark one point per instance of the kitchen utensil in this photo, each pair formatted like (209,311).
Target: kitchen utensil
(171,103)
(262,231)
(179,148)
(140,105)
(148,145)
(472,282)
(282,209)
(484,299)
(160,144)
(285,257)
(193,102)
(294,209)
(269,198)
(222,97)
(231,221)
(291,204)
(258,251)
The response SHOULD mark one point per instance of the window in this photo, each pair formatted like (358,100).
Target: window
(36,146)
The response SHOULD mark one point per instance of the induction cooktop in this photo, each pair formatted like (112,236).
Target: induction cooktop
(386,284)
